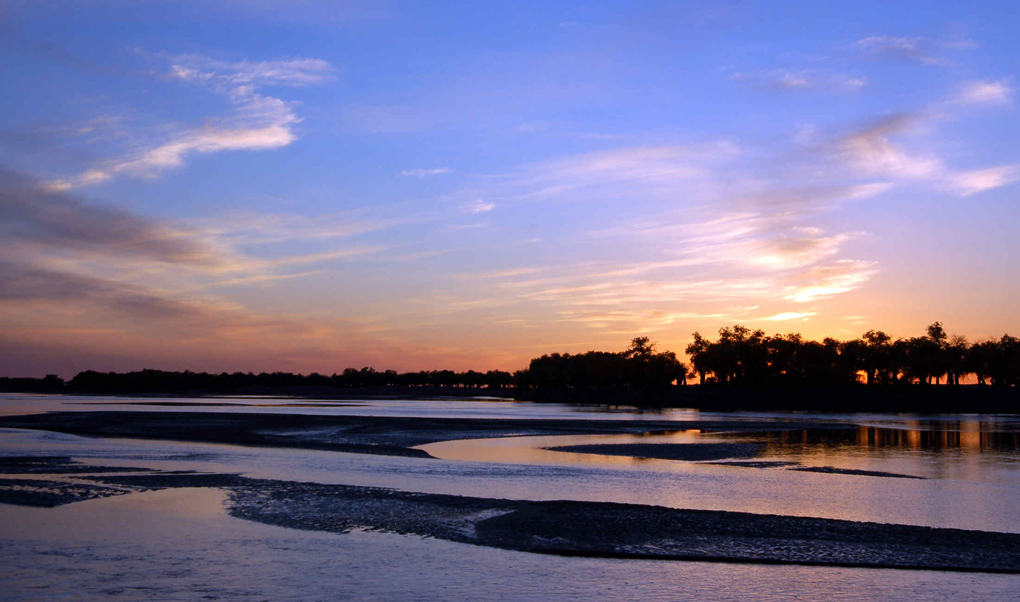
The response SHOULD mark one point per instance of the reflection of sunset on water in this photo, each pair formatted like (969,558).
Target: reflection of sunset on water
(965,435)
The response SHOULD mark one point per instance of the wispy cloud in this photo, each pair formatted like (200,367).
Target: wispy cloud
(295,72)
(467,226)
(603,290)
(258,279)
(972,182)
(421,172)
(255,122)
(741,232)
(629,164)
(985,92)
(31,214)
(248,229)
(26,283)
(756,240)
(825,281)
(802,80)
(640,321)
(790,315)
(619,298)
(501,274)
(658,170)
(153,162)
(872,151)
(914,49)
(479,206)
(349,253)
(62,250)
(790,260)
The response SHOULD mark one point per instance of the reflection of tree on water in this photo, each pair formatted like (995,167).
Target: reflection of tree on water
(968,435)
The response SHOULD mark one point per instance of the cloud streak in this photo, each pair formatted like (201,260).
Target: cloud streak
(255,123)
(421,173)
(253,229)
(479,206)
(872,151)
(790,315)
(759,244)
(825,281)
(803,80)
(25,283)
(914,49)
(621,173)
(295,72)
(968,183)
(29,213)
(985,92)
(61,251)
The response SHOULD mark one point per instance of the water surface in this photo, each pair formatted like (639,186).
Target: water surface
(180,544)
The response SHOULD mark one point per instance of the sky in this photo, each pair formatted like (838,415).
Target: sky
(301,186)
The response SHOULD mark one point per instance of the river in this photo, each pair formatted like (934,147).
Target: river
(180,544)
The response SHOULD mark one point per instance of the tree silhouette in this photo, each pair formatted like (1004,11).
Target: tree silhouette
(749,358)
(698,352)
(740,357)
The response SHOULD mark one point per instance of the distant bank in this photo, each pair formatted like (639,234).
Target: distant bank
(923,399)
(742,370)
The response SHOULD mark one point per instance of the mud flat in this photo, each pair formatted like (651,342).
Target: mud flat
(857,472)
(608,530)
(565,528)
(692,452)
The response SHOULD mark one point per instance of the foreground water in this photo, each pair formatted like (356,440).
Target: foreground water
(180,544)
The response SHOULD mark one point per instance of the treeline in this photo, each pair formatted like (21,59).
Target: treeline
(160,381)
(750,358)
(637,367)
(739,359)
(50,384)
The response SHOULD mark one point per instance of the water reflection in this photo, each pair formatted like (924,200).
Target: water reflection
(933,437)
(532,450)
(974,436)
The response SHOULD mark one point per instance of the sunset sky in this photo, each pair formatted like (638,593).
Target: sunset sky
(230,185)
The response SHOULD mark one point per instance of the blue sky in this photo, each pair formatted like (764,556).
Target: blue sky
(306,186)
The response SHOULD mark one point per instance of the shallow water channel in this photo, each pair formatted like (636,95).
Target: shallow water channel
(180,544)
